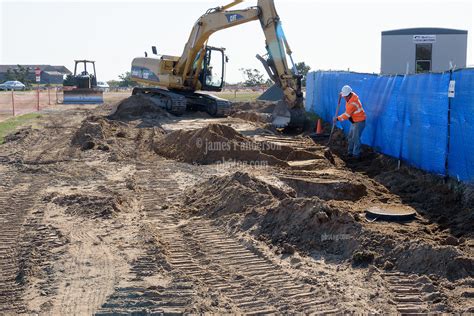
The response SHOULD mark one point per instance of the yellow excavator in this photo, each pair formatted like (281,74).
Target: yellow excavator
(173,82)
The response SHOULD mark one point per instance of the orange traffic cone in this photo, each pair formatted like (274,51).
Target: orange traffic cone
(319,128)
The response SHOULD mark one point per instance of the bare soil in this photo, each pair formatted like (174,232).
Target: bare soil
(143,212)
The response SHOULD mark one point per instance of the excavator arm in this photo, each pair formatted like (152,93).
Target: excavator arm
(214,20)
(275,63)
(193,70)
(278,49)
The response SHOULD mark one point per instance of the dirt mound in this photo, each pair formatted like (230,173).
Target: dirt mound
(255,106)
(212,144)
(237,193)
(218,143)
(91,206)
(253,117)
(327,189)
(118,138)
(90,134)
(273,213)
(18,135)
(135,107)
(279,217)
(433,259)
(447,204)
(311,224)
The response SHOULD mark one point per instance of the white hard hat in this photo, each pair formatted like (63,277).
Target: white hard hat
(346,90)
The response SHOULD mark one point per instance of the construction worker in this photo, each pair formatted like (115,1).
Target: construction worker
(356,115)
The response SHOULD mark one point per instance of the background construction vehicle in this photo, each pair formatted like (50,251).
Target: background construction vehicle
(176,80)
(85,89)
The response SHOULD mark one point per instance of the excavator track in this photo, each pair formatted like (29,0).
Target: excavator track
(223,108)
(201,255)
(176,102)
(172,102)
(219,108)
(214,106)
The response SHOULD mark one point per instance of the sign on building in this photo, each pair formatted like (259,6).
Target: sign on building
(420,39)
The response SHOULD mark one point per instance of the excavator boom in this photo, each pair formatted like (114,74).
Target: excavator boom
(198,66)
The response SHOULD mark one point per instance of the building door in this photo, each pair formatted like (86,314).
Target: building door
(423,57)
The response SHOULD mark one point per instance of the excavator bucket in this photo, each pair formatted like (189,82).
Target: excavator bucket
(284,117)
(83,96)
(274,93)
(281,116)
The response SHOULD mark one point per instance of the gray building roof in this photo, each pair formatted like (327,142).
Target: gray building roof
(61,69)
(424,31)
(53,73)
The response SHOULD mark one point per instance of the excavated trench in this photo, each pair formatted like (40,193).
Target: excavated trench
(131,217)
(346,194)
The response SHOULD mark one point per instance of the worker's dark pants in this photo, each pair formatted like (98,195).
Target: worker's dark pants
(355,134)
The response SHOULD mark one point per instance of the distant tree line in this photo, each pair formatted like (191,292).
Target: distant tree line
(21,74)
(254,78)
(125,81)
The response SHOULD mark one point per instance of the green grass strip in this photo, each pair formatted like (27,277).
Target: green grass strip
(10,125)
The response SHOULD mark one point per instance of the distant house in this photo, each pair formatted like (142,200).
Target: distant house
(49,74)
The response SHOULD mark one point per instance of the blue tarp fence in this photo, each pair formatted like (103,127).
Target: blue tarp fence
(411,117)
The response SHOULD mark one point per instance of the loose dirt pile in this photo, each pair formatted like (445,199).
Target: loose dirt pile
(91,205)
(255,106)
(95,131)
(296,230)
(137,107)
(122,140)
(327,189)
(234,194)
(256,112)
(446,203)
(19,135)
(274,214)
(213,144)
(254,117)
(218,143)
(242,202)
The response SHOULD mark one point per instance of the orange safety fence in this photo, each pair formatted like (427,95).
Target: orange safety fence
(13,103)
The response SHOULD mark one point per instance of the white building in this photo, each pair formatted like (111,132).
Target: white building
(423,50)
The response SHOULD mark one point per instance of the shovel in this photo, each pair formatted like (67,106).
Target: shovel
(334,123)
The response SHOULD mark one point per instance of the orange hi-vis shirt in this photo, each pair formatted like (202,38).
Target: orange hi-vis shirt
(354,110)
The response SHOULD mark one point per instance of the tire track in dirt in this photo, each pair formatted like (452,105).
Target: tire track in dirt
(198,250)
(287,294)
(179,254)
(54,150)
(17,197)
(177,296)
(45,146)
(91,277)
(290,141)
(412,294)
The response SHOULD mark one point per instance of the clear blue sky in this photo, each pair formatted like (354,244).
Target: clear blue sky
(326,34)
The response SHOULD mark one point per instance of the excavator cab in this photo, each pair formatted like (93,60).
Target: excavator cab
(213,69)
